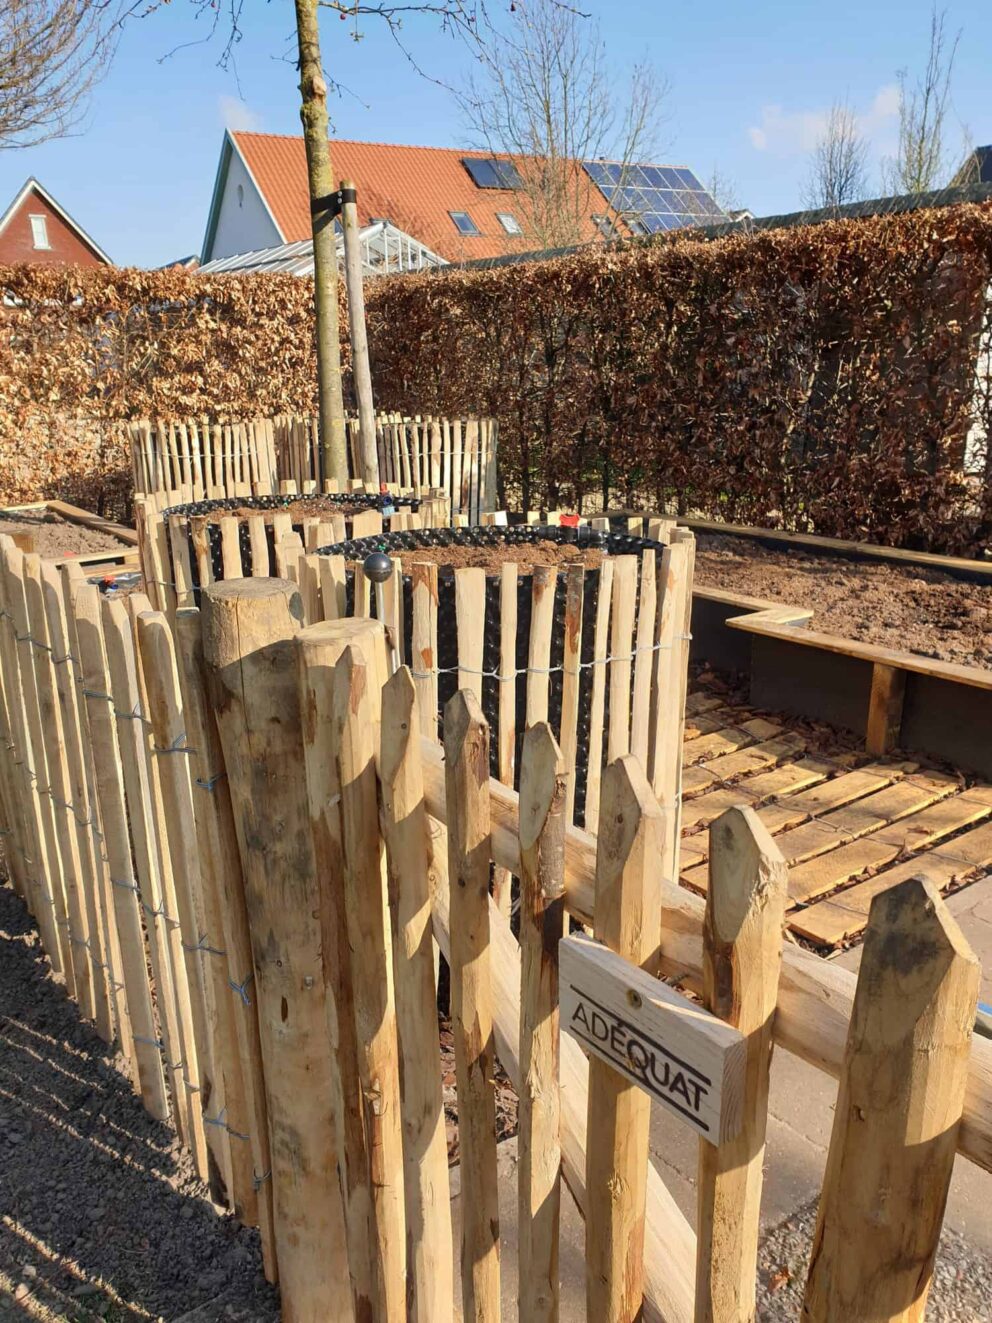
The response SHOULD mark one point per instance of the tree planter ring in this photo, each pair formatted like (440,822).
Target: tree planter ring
(470,627)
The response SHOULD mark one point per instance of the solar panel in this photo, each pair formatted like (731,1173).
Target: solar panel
(490,172)
(661,197)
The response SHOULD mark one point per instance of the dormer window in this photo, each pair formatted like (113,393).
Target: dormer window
(39,231)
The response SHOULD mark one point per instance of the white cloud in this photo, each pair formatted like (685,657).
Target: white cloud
(236,116)
(794,132)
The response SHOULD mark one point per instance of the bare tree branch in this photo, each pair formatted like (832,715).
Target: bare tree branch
(839,168)
(920,164)
(52,53)
(545,95)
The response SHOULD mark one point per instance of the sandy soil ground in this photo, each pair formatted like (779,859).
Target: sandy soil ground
(925,612)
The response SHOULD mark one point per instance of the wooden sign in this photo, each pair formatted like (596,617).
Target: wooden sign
(684,1057)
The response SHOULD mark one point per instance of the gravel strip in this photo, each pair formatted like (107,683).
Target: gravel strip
(961,1291)
(101,1215)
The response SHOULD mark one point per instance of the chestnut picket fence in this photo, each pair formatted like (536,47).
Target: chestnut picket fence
(241,833)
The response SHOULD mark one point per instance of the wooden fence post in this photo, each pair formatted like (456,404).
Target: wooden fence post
(742,952)
(371,969)
(543,799)
(411,887)
(628,900)
(249,631)
(220,866)
(466,754)
(319,648)
(898,1108)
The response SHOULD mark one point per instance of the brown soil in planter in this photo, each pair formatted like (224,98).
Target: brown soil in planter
(920,611)
(54,537)
(525,555)
(307,507)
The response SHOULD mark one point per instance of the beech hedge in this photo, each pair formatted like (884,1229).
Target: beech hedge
(830,378)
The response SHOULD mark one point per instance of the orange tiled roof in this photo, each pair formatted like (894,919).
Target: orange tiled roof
(414,187)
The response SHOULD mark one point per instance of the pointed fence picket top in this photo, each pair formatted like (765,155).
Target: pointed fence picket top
(899,1105)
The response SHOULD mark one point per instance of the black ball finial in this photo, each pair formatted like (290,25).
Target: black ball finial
(378,567)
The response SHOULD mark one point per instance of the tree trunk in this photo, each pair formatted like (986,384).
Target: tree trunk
(313,113)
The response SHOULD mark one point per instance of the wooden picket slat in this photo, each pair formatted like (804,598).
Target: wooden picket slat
(156,652)
(621,654)
(571,679)
(165,951)
(640,721)
(542,608)
(628,900)
(371,970)
(470,621)
(742,953)
(423,643)
(109,993)
(597,702)
(543,818)
(425,1159)
(109,782)
(226,943)
(466,754)
(899,1104)
(56,763)
(51,889)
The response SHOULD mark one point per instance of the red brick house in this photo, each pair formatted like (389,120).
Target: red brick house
(34,228)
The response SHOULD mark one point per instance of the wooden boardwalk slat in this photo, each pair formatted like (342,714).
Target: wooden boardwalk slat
(832,820)
(784,780)
(863,816)
(701,701)
(818,800)
(753,758)
(727,740)
(838,917)
(882,847)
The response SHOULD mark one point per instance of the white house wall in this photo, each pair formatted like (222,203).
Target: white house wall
(243,224)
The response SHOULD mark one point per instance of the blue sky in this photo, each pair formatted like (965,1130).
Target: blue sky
(750,84)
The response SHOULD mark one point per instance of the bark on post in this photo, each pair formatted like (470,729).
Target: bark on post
(313,113)
(361,374)
(249,632)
